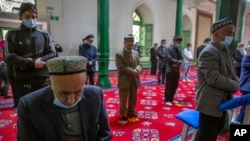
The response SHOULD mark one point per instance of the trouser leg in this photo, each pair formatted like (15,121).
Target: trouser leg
(22,88)
(92,78)
(159,75)
(163,75)
(123,95)
(132,98)
(209,127)
(171,85)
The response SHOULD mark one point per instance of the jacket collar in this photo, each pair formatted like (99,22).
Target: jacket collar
(22,26)
(53,113)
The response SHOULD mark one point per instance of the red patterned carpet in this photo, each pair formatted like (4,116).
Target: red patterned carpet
(157,121)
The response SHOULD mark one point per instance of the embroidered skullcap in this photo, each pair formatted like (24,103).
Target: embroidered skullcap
(129,38)
(221,23)
(206,40)
(27,7)
(65,65)
(177,38)
(89,36)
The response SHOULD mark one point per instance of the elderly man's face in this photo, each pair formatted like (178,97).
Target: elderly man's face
(129,45)
(68,88)
(227,30)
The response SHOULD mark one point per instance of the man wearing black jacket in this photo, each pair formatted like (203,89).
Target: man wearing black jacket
(153,59)
(26,51)
(161,62)
(174,60)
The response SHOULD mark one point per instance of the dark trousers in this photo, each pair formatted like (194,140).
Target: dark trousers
(209,127)
(171,85)
(161,75)
(21,88)
(5,88)
(90,79)
(153,67)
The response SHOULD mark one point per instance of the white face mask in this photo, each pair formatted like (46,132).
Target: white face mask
(60,104)
(227,41)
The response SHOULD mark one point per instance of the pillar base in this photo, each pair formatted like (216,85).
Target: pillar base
(103,81)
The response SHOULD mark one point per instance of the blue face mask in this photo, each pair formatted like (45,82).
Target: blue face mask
(59,104)
(178,45)
(29,23)
(227,41)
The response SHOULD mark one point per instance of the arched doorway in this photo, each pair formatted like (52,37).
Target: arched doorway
(143,32)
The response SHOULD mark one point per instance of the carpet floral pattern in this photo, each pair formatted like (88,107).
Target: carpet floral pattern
(157,121)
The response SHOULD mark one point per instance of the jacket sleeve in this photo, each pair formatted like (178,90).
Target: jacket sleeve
(209,65)
(238,56)
(170,59)
(246,62)
(11,51)
(80,50)
(104,133)
(25,131)
(121,66)
(153,52)
(160,53)
(198,52)
(94,57)
(49,49)
(187,55)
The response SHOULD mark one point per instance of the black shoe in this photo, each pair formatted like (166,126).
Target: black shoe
(131,115)
(123,118)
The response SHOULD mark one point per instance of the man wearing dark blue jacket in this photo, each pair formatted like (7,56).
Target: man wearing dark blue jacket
(66,110)
(89,51)
(27,48)
(244,83)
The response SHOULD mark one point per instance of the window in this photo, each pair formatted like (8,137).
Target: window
(136,26)
(12,6)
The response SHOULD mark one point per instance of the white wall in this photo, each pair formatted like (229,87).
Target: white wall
(79,18)
(76,20)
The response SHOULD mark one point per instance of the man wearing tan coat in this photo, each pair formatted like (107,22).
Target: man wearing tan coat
(128,65)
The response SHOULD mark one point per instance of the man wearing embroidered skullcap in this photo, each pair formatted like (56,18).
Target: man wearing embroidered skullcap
(67,109)
(217,81)
(89,51)
(128,64)
(26,51)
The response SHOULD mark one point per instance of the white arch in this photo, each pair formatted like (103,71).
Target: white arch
(144,11)
(187,23)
